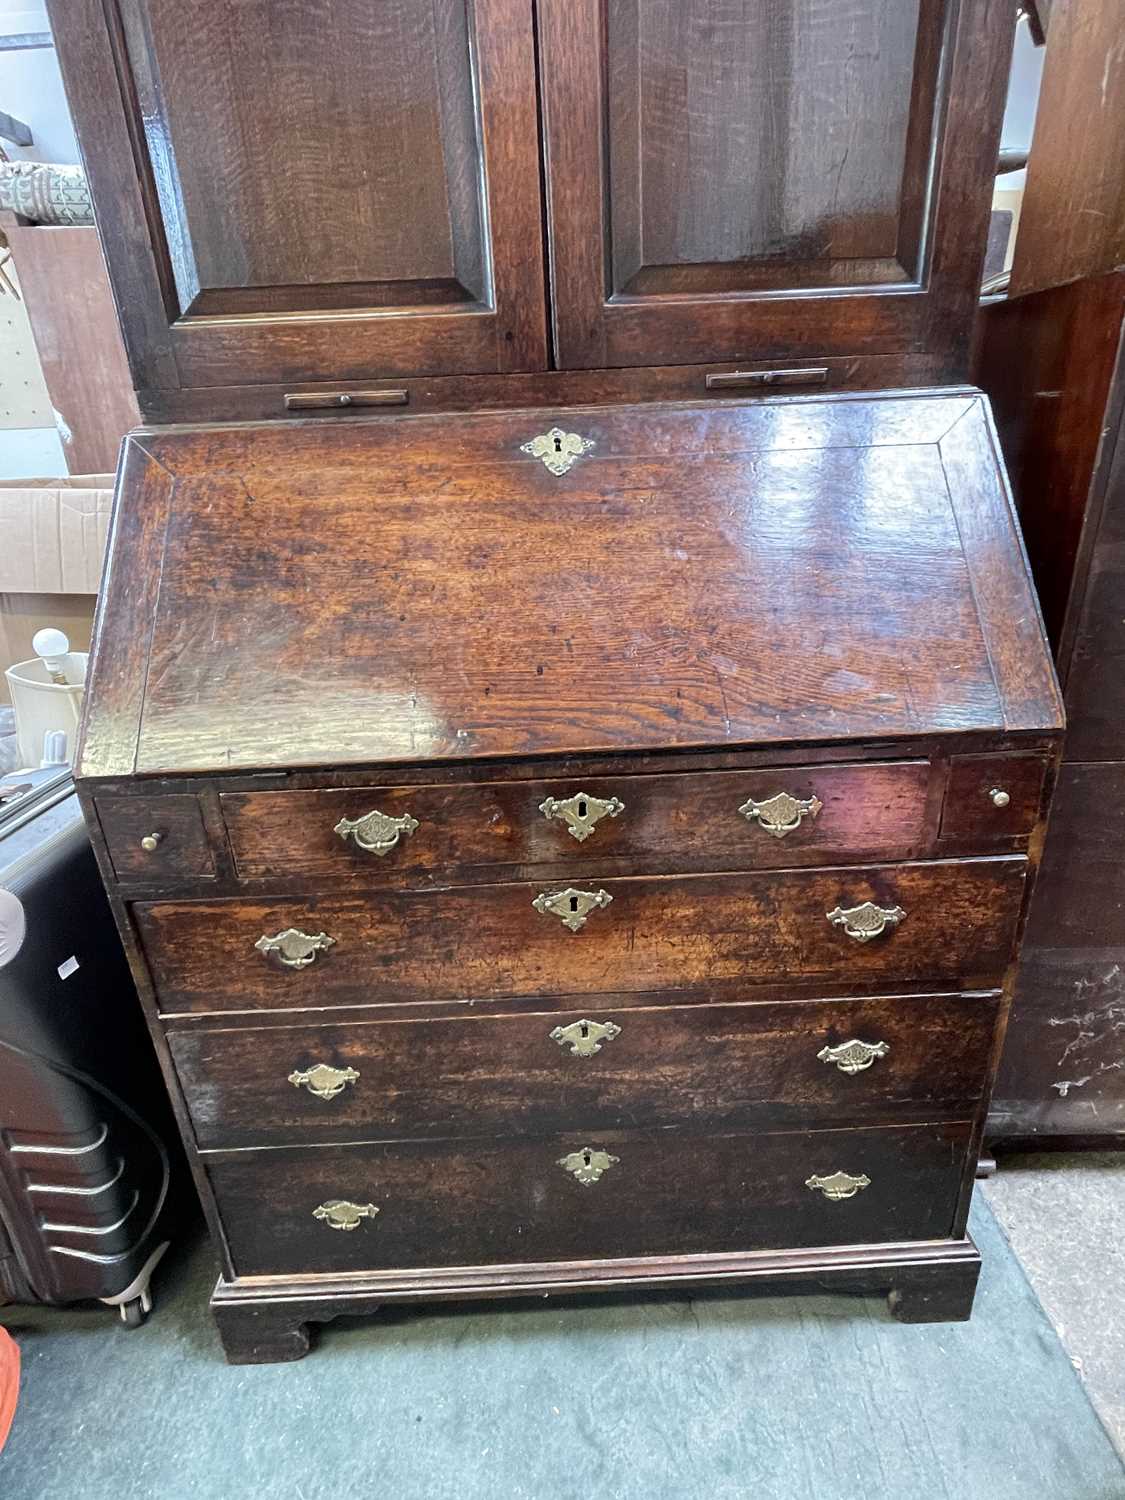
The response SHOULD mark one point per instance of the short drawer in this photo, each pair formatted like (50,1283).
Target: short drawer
(993,796)
(489,1202)
(948,925)
(795,815)
(155,838)
(760,1065)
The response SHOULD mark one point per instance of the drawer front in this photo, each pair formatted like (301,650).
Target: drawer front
(684,822)
(155,838)
(760,1065)
(430,1204)
(993,796)
(957,923)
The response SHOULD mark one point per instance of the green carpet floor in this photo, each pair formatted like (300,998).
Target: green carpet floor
(658,1398)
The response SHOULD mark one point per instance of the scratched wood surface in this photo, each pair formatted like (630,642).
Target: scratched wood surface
(420,588)
(488,941)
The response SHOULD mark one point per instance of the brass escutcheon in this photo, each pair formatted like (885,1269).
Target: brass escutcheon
(338,1213)
(557,449)
(867,921)
(781,814)
(323,1080)
(585,1037)
(587,1165)
(840,1185)
(854,1056)
(581,813)
(570,906)
(376,832)
(294,948)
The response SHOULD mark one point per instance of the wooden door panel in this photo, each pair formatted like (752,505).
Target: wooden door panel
(331,191)
(744,179)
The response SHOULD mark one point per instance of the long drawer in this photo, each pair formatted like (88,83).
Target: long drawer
(947,925)
(779,1065)
(705,820)
(656,1193)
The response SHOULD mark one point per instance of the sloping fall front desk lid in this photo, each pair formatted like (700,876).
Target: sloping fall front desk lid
(409,589)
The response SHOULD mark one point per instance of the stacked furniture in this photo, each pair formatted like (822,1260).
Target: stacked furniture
(1050,357)
(573,832)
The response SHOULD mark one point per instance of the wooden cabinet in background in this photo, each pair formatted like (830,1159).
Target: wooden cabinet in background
(1053,365)
(347,199)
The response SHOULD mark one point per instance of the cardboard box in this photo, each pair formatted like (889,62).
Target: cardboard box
(52,546)
(53,533)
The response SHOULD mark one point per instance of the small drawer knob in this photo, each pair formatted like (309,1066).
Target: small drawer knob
(999,797)
(151,842)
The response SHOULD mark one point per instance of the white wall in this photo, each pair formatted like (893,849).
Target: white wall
(31,89)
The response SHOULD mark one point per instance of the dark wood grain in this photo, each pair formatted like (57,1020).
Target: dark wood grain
(672,823)
(741,1065)
(688,151)
(970,811)
(682,637)
(495,1203)
(554,388)
(486,941)
(176,822)
(306,189)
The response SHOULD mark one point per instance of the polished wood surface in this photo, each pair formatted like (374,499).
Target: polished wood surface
(678,823)
(495,1203)
(639,609)
(718,602)
(658,934)
(287,194)
(669,1064)
(687,151)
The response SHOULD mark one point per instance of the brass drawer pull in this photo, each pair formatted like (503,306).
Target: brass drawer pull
(294,948)
(587,1165)
(779,815)
(152,842)
(570,906)
(867,921)
(376,832)
(338,1213)
(581,813)
(999,797)
(323,1080)
(840,1185)
(854,1056)
(585,1037)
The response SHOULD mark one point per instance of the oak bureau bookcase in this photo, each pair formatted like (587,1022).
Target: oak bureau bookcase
(570,733)
(578,852)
